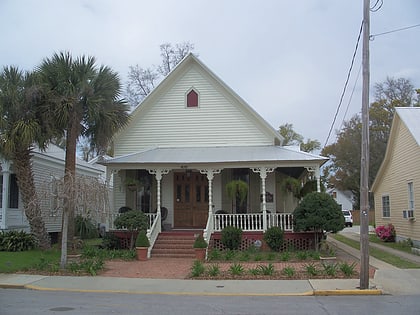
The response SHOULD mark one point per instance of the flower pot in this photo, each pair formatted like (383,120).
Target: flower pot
(141,253)
(200,253)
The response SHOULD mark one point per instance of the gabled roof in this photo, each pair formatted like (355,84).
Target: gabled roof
(177,157)
(410,117)
(176,72)
(57,155)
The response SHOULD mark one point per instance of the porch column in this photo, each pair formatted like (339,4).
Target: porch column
(159,172)
(317,174)
(263,171)
(210,175)
(5,170)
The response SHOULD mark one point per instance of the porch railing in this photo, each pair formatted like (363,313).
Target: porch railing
(153,230)
(251,221)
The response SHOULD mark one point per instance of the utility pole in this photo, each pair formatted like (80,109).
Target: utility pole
(364,165)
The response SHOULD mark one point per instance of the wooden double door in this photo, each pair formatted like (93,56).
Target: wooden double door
(191,200)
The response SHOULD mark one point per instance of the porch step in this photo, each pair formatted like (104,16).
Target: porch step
(175,244)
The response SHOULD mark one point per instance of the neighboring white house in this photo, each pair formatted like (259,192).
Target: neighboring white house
(397,185)
(343,198)
(48,170)
(190,137)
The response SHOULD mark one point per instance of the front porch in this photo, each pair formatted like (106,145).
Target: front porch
(253,226)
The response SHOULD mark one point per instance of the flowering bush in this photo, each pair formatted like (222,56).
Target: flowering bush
(386,232)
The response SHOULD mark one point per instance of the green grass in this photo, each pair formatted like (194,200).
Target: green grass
(402,246)
(379,254)
(21,261)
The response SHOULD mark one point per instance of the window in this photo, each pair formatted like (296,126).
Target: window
(192,99)
(410,196)
(386,210)
(13,192)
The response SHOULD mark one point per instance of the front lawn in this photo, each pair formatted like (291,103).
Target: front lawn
(89,261)
(28,260)
(378,253)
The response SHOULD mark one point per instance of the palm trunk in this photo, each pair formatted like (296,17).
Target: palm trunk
(26,184)
(68,229)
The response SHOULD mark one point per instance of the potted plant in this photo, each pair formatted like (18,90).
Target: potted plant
(133,221)
(200,247)
(142,246)
(131,183)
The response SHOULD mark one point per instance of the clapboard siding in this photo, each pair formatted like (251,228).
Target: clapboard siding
(403,166)
(43,174)
(218,121)
(45,166)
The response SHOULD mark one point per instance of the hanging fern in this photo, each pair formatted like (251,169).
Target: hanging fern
(293,185)
(237,189)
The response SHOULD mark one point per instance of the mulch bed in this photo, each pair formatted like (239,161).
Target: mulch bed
(299,268)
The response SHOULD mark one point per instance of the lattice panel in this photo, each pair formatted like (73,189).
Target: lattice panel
(303,243)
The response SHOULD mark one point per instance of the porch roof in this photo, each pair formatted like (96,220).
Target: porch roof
(226,155)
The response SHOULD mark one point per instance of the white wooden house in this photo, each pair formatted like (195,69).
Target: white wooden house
(190,137)
(48,170)
(343,198)
(397,185)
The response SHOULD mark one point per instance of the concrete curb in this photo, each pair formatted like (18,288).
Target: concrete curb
(347,292)
(308,293)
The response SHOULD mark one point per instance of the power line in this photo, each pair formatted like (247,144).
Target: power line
(376,7)
(372,37)
(346,83)
(351,95)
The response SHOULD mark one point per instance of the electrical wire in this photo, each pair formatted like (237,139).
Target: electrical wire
(375,7)
(351,95)
(345,84)
(372,37)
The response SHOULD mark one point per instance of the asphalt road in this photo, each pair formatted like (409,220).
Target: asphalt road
(23,302)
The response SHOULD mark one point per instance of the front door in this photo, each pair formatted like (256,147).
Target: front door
(191,200)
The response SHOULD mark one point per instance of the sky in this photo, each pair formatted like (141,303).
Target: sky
(287,59)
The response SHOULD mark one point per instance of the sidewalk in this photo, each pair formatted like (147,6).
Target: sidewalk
(388,279)
(186,287)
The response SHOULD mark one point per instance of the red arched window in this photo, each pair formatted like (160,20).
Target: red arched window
(192,99)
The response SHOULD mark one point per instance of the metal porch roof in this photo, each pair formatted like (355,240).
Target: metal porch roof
(204,155)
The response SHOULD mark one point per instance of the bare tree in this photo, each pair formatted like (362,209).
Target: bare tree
(141,81)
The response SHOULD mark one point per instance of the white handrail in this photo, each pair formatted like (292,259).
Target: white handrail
(153,230)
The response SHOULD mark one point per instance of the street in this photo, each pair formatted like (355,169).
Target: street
(23,302)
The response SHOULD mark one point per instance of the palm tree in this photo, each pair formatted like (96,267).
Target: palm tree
(85,102)
(21,125)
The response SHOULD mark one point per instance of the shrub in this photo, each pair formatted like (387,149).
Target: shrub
(197,269)
(133,220)
(386,233)
(111,241)
(347,269)
(214,254)
(330,269)
(311,270)
(289,271)
(274,238)
(85,228)
(17,241)
(229,255)
(200,242)
(213,270)
(285,256)
(317,212)
(142,240)
(231,237)
(266,270)
(236,269)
